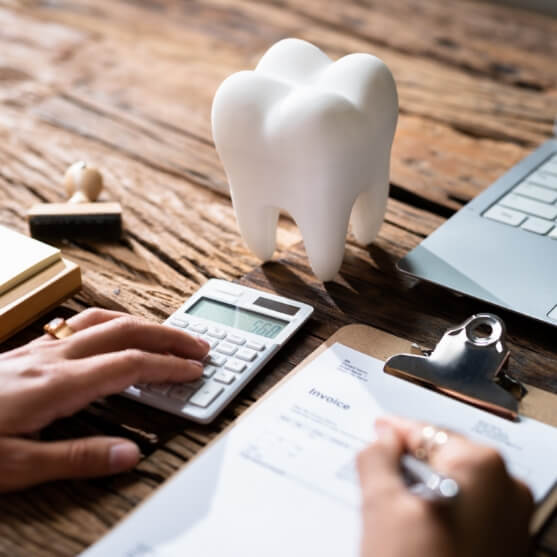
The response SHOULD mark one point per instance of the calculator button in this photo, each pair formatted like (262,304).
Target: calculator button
(212,342)
(254,345)
(236,339)
(225,377)
(208,371)
(198,328)
(181,392)
(235,365)
(246,354)
(204,396)
(216,332)
(179,322)
(158,388)
(226,348)
(216,359)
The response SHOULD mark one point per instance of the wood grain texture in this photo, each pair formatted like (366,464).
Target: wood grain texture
(129,85)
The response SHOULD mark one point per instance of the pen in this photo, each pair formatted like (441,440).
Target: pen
(425,482)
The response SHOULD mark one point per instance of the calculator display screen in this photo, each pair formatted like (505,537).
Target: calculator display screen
(239,318)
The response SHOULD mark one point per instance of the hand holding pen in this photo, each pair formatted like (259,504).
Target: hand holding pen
(420,477)
(489,514)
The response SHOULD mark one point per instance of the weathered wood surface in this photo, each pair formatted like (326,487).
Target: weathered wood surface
(129,86)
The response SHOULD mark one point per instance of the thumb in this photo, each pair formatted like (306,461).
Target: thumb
(379,464)
(25,463)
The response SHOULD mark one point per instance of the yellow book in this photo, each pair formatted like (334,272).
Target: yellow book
(40,293)
(22,257)
(34,278)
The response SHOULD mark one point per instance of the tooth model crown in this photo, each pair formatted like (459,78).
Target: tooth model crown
(312,137)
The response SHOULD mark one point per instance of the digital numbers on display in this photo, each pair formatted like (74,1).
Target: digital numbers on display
(239,318)
(265,329)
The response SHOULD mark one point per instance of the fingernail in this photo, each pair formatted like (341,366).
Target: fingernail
(197,364)
(204,344)
(123,456)
(384,430)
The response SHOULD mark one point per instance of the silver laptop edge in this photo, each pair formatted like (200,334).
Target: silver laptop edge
(491,261)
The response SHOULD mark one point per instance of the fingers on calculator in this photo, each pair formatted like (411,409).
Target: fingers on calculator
(243,328)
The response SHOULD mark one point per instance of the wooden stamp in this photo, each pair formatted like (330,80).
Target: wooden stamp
(82,216)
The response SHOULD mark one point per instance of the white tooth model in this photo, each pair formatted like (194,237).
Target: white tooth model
(312,137)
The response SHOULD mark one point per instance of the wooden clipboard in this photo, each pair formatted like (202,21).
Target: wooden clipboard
(363,338)
(537,404)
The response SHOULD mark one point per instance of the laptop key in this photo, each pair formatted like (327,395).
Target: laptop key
(553,234)
(539,226)
(543,178)
(530,206)
(536,192)
(504,215)
(550,166)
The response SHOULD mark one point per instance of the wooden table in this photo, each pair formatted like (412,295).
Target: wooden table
(128,85)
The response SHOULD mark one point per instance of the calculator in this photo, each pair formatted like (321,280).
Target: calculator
(244,327)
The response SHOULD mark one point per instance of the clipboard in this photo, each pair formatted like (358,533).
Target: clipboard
(198,476)
(536,403)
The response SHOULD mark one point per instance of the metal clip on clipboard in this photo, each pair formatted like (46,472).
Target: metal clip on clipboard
(469,364)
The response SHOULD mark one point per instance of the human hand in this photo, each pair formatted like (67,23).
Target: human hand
(50,378)
(489,517)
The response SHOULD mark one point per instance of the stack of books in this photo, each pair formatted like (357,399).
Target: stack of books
(34,278)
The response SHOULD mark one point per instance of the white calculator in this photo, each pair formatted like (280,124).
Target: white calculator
(244,327)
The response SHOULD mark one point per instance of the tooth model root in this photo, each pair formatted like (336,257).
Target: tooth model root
(369,209)
(258,225)
(324,237)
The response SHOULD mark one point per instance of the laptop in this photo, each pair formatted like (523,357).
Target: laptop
(502,246)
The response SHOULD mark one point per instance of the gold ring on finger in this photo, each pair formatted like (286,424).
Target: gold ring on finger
(431,439)
(58,328)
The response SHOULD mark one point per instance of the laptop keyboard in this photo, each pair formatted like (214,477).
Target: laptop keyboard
(532,203)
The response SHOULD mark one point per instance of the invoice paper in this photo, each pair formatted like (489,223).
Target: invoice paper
(283,480)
